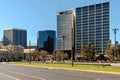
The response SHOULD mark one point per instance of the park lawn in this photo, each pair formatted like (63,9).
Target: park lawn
(96,67)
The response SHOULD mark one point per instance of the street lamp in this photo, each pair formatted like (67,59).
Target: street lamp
(72,54)
(115,32)
(63,37)
(29,52)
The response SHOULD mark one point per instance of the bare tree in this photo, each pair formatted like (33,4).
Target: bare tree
(58,55)
(36,55)
(44,55)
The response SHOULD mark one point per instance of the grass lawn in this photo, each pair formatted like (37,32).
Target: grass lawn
(97,67)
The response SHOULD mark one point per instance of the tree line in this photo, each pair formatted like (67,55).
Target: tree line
(87,53)
(111,54)
(43,55)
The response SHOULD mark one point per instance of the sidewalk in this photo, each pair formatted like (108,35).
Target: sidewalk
(115,64)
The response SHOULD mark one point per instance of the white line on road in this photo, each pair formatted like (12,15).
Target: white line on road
(28,75)
(9,76)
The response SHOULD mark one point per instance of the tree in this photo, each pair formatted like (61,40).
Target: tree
(83,51)
(88,51)
(36,55)
(65,56)
(117,50)
(109,51)
(43,55)
(58,55)
(100,57)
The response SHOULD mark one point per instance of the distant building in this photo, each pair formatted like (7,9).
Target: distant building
(27,53)
(10,52)
(1,43)
(15,37)
(46,40)
(92,26)
(4,55)
(65,30)
(32,46)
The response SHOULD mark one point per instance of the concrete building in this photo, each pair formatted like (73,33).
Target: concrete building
(65,30)
(15,37)
(92,26)
(46,40)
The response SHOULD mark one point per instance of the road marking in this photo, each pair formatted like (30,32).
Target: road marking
(50,68)
(27,75)
(9,76)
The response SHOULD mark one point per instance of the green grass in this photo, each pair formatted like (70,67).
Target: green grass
(97,67)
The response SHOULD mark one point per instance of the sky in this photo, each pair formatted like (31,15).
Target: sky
(36,15)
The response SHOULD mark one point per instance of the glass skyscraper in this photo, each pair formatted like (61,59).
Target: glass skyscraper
(15,36)
(65,29)
(92,26)
(46,40)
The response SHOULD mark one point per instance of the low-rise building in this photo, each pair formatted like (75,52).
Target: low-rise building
(5,55)
(13,52)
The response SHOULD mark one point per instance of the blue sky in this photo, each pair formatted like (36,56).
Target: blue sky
(35,15)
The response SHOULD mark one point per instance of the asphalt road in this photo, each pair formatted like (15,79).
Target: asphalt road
(13,72)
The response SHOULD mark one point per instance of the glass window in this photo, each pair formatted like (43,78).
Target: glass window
(98,6)
(85,9)
(106,5)
(91,7)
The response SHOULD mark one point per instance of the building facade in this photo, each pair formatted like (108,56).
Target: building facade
(46,40)
(11,53)
(92,26)
(15,37)
(65,30)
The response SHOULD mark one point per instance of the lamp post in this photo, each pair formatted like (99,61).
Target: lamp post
(29,52)
(72,63)
(115,32)
(63,37)
(72,56)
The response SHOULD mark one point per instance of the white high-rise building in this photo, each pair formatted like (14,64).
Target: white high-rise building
(65,29)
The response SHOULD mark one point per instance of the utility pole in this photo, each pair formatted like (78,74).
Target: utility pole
(115,54)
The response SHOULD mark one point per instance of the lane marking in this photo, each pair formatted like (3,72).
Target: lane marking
(27,75)
(9,76)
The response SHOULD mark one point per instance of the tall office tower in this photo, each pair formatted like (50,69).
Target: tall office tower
(92,26)
(15,36)
(46,40)
(65,30)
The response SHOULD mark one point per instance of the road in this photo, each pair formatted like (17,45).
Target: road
(14,72)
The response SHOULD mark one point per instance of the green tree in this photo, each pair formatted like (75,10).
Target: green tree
(100,56)
(83,52)
(88,52)
(117,50)
(109,51)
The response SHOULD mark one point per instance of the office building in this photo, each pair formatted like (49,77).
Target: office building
(65,30)
(15,36)
(46,40)
(92,26)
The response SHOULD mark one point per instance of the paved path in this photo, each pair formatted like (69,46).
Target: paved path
(14,72)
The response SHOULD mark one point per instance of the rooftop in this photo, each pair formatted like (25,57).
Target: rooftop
(14,29)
